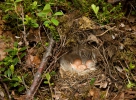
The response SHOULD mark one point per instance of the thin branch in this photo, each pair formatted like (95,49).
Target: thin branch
(38,76)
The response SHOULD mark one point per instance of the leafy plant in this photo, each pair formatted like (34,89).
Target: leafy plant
(130,84)
(7,72)
(92,81)
(128,74)
(32,15)
(48,77)
(105,12)
(49,19)
(95,9)
(30,22)
(48,80)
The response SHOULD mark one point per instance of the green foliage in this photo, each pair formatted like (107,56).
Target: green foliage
(48,16)
(14,56)
(31,14)
(95,9)
(7,71)
(30,22)
(48,78)
(129,74)
(92,81)
(130,84)
(106,12)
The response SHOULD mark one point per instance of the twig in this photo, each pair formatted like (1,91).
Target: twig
(106,31)
(6,89)
(23,82)
(107,63)
(37,78)
(24,27)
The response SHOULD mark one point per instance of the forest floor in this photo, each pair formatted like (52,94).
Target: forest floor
(114,48)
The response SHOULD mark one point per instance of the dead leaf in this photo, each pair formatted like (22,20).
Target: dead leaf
(128,28)
(22,97)
(122,25)
(103,83)
(120,97)
(131,19)
(134,28)
(33,61)
(94,93)
(93,38)
(2,50)
(111,50)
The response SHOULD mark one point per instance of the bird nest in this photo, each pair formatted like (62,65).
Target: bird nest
(78,62)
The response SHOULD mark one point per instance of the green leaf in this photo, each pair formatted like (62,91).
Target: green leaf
(54,21)
(58,13)
(25,75)
(9,50)
(12,69)
(48,77)
(92,81)
(35,25)
(46,82)
(22,49)
(42,14)
(126,69)
(15,61)
(130,85)
(95,9)
(131,66)
(16,84)
(14,53)
(52,83)
(21,89)
(46,44)
(16,44)
(8,73)
(53,73)
(9,9)
(15,79)
(2,69)
(34,5)
(1,63)
(19,78)
(18,1)
(6,79)
(47,7)
(46,23)
(22,55)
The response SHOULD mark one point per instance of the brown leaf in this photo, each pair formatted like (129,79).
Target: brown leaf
(2,50)
(93,38)
(111,50)
(94,94)
(33,61)
(119,97)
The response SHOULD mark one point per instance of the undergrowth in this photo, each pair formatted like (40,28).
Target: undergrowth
(22,15)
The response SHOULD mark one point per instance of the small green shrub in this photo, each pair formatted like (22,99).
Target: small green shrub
(20,14)
(48,80)
(107,12)
(129,74)
(8,70)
